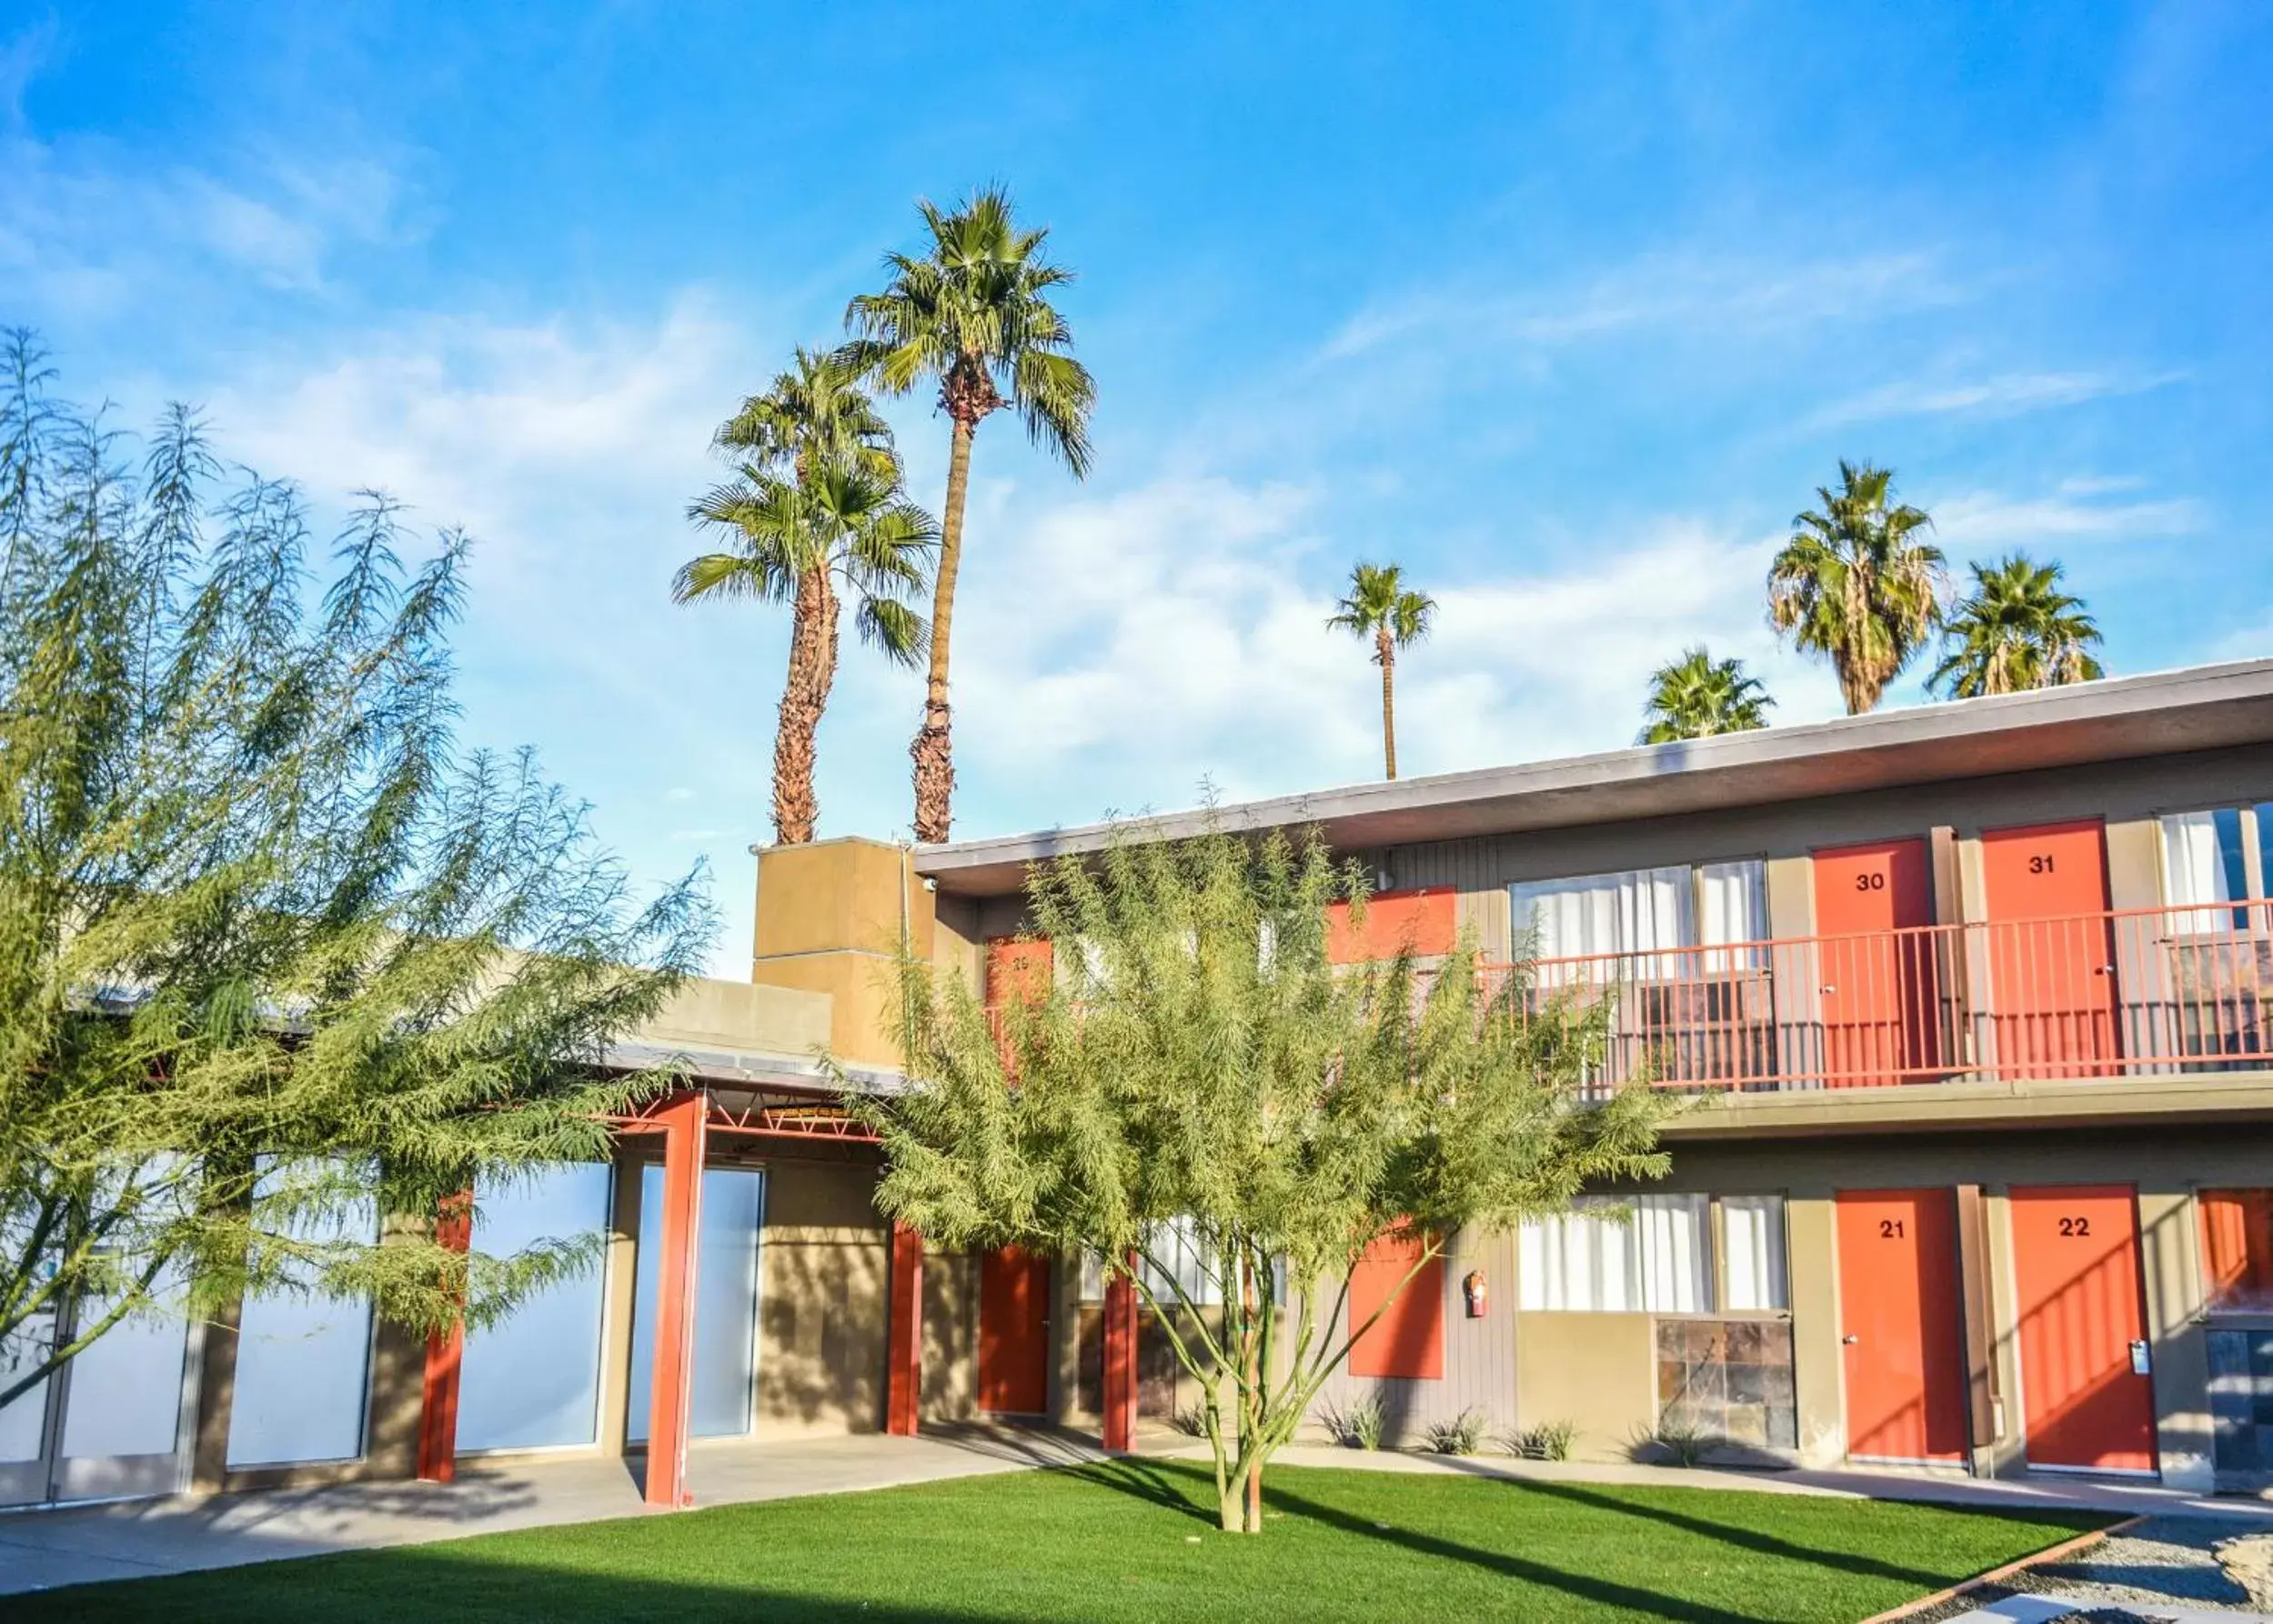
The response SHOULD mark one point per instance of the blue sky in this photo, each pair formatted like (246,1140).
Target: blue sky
(1565,308)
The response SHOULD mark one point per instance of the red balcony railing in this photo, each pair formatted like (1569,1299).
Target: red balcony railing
(2164,990)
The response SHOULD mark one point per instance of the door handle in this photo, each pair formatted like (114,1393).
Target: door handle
(1849,1340)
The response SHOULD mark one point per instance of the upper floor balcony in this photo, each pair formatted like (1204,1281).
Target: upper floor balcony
(2111,995)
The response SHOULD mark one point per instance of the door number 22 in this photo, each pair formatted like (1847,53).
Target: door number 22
(2076,1226)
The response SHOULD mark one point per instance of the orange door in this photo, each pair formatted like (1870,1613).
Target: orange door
(2051,955)
(1899,1320)
(1013,1332)
(1878,987)
(1018,970)
(2075,1271)
(1408,1338)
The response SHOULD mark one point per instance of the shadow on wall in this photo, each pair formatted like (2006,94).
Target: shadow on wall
(822,1319)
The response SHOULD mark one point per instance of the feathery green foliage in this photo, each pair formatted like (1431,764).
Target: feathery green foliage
(1200,1059)
(1697,696)
(2016,630)
(1856,584)
(1380,606)
(815,505)
(973,315)
(272,952)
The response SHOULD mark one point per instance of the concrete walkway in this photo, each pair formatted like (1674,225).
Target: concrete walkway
(42,1550)
(77,1545)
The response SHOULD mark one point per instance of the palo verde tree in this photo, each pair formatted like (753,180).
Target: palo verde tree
(1199,1061)
(281,970)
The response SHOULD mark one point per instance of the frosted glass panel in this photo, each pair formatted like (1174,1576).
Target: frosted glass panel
(24,1423)
(532,1381)
(726,1303)
(303,1368)
(125,1390)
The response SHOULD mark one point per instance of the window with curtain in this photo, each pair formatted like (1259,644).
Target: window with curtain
(1645,1255)
(1655,1255)
(2222,854)
(532,1380)
(1178,1259)
(1641,912)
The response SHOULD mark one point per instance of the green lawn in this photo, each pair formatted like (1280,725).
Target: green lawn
(1118,1542)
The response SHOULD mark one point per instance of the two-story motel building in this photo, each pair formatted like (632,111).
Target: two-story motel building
(1979,996)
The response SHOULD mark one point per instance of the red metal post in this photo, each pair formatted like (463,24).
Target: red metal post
(903,1339)
(1121,1360)
(684,1122)
(437,1420)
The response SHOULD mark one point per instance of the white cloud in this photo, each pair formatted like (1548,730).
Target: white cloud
(2006,395)
(1181,643)
(1983,522)
(1712,294)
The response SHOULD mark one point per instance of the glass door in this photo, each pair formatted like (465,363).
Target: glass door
(114,1422)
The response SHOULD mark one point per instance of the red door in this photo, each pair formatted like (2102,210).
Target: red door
(1898,1323)
(2075,1271)
(1878,965)
(1013,1332)
(2051,955)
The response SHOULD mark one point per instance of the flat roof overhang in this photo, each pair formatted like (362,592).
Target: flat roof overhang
(2201,708)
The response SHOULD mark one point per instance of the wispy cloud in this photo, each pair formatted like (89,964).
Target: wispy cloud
(1990,521)
(21,57)
(1656,291)
(2005,394)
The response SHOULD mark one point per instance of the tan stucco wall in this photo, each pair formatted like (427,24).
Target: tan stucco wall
(1597,1371)
(707,1014)
(830,919)
(950,1337)
(823,1299)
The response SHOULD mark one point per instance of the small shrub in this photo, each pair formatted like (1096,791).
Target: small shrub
(1673,1443)
(1549,1440)
(1463,1435)
(1356,1425)
(1191,1421)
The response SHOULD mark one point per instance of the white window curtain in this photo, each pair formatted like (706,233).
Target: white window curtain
(303,1360)
(1753,1279)
(1647,1254)
(1733,911)
(1640,912)
(2202,863)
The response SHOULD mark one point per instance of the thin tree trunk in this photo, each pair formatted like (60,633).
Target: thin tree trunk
(932,751)
(804,696)
(1388,657)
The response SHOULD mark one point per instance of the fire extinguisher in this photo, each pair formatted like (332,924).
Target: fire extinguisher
(1475,1290)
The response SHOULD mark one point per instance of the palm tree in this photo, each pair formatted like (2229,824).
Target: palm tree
(2016,630)
(838,518)
(973,314)
(1381,607)
(1697,696)
(1855,583)
(816,410)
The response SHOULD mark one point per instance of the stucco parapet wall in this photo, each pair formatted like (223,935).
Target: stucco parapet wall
(2202,707)
(1926,1107)
(738,1032)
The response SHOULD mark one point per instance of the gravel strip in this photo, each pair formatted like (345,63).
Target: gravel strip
(2165,1562)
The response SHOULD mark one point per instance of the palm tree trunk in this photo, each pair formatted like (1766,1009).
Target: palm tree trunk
(933,752)
(1387,654)
(804,696)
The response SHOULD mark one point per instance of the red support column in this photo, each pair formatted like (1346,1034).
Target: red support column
(438,1420)
(1121,1360)
(685,1124)
(903,1339)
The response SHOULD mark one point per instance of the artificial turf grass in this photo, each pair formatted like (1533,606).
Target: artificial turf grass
(1136,1540)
